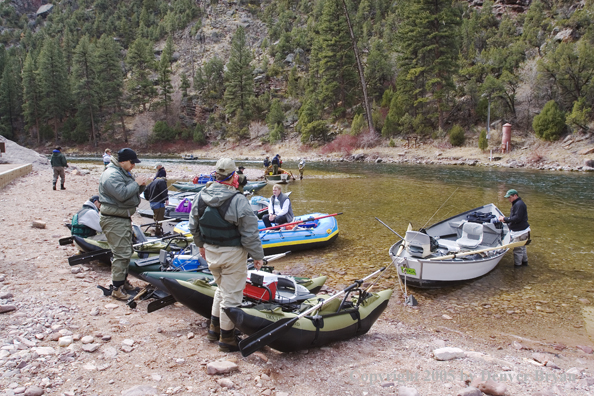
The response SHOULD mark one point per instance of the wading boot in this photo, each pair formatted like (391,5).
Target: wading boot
(62,187)
(214,330)
(128,285)
(54,186)
(228,341)
(119,293)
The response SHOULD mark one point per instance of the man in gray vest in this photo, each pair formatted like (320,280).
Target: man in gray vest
(225,229)
(280,209)
(119,195)
(85,223)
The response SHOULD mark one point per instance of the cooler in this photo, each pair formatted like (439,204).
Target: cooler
(260,285)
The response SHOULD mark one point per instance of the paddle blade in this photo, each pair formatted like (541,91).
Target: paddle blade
(160,303)
(66,241)
(265,336)
(102,255)
(409,227)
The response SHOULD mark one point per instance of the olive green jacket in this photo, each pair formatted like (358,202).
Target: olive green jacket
(119,194)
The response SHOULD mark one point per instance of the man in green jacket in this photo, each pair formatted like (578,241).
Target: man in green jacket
(225,229)
(58,162)
(119,195)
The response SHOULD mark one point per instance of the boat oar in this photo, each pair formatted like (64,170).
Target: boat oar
(388,227)
(271,332)
(453,256)
(299,222)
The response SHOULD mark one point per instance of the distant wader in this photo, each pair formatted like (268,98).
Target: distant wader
(59,171)
(118,231)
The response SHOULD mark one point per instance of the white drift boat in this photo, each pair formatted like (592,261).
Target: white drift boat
(463,247)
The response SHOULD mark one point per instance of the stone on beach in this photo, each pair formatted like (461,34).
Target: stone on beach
(220,367)
(448,353)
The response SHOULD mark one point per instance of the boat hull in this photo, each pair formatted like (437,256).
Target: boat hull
(297,239)
(198,294)
(428,273)
(316,331)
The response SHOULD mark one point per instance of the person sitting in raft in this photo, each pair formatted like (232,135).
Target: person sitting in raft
(85,223)
(280,210)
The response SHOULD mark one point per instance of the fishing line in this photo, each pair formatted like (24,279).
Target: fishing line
(438,209)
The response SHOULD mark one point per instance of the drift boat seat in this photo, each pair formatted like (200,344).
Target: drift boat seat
(472,235)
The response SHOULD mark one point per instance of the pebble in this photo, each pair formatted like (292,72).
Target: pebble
(140,390)
(190,335)
(65,341)
(446,317)
(87,339)
(127,348)
(90,347)
(75,270)
(226,383)
(585,349)
(94,312)
(111,306)
(6,295)
(34,391)
(470,391)
(220,367)
(448,353)
(7,308)
(128,342)
(405,391)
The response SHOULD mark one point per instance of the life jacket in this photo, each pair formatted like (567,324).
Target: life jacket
(281,200)
(214,229)
(81,230)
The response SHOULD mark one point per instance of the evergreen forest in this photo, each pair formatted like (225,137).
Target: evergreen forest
(354,70)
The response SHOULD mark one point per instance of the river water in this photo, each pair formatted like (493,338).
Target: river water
(550,299)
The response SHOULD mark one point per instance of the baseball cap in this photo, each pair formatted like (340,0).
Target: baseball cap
(127,154)
(225,166)
(94,198)
(240,167)
(511,192)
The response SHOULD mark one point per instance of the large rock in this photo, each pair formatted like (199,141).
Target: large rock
(222,367)
(448,353)
(470,391)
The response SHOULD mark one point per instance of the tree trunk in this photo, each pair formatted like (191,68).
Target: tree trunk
(360,69)
(119,110)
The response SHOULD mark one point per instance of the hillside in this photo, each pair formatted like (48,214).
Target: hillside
(150,73)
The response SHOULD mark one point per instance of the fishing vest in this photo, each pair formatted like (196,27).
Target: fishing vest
(214,229)
(281,200)
(81,230)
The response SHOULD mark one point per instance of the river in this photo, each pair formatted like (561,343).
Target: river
(550,299)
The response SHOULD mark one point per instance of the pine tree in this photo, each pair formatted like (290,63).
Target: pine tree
(111,77)
(165,83)
(10,97)
(85,89)
(185,84)
(239,83)
(31,97)
(428,50)
(276,116)
(214,78)
(168,50)
(55,88)
(335,68)
(140,60)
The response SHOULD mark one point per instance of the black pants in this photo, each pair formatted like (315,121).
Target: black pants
(278,220)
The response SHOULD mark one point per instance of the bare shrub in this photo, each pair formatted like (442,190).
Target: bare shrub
(344,144)
(368,138)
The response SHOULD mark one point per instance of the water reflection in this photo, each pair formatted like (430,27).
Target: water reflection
(543,299)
